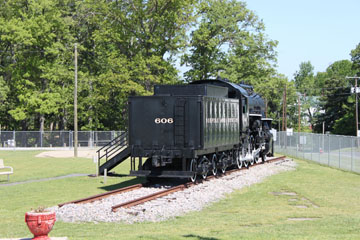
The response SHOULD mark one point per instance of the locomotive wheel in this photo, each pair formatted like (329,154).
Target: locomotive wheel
(204,175)
(256,160)
(246,164)
(263,158)
(223,167)
(204,162)
(213,163)
(252,162)
(192,168)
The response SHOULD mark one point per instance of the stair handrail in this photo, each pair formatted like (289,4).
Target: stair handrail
(116,144)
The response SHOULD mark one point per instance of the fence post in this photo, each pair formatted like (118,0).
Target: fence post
(351,140)
(328,136)
(41,139)
(14,138)
(70,139)
(304,144)
(339,151)
(312,145)
(318,149)
(290,146)
(351,154)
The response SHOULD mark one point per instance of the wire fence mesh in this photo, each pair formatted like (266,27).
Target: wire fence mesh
(332,150)
(49,139)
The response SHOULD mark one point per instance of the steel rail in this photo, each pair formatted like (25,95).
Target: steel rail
(152,196)
(104,195)
(181,187)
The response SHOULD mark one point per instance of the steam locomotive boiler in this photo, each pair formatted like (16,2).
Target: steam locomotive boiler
(185,131)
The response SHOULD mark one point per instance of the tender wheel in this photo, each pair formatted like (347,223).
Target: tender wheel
(213,165)
(192,168)
(239,163)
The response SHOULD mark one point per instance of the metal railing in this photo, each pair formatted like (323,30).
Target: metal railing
(55,139)
(332,150)
(113,147)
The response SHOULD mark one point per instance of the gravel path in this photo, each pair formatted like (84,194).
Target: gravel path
(179,203)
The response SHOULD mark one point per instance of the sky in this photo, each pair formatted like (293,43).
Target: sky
(319,31)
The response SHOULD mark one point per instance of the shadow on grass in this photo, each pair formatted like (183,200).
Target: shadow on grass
(123,184)
(200,237)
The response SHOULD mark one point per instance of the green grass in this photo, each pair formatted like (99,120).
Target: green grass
(331,197)
(27,166)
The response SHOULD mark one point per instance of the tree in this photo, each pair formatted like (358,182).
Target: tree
(132,48)
(272,91)
(36,36)
(228,40)
(355,58)
(307,88)
(304,78)
(336,100)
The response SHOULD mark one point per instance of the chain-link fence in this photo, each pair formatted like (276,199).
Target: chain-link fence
(333,150)
(46,139)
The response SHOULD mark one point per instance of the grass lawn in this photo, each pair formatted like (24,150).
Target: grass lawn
(331,198)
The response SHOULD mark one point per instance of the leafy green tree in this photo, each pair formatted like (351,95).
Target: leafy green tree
(133,46)
(355,58)
(36,35)
(228,41)
(304,78)
(272,90)
(336,100)
(307,88)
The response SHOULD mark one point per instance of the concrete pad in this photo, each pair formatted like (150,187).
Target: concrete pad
(85,153)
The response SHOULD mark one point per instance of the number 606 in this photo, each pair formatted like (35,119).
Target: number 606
(164,120)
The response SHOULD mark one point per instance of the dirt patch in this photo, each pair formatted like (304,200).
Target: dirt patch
(87,153)
(283,193)
(301,206)
(302,219)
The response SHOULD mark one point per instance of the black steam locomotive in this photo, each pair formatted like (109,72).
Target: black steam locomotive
(187,130)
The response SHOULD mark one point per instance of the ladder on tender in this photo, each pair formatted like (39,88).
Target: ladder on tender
(179,136)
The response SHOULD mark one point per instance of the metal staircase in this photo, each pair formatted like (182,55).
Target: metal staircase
(113,153)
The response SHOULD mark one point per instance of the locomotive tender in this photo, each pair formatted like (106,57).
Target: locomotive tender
(187,130)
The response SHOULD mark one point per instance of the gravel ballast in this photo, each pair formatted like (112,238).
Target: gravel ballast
(179,203)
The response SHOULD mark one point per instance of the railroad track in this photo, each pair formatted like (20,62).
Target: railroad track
(179,188)
(153,196)
(105,195)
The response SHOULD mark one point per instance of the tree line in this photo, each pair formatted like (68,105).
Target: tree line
(126,47)
(328,97)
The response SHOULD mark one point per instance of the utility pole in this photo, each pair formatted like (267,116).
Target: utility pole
(266,106)
(283,110)
(356,105)
(75,108)
(356,109)
(284,122)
